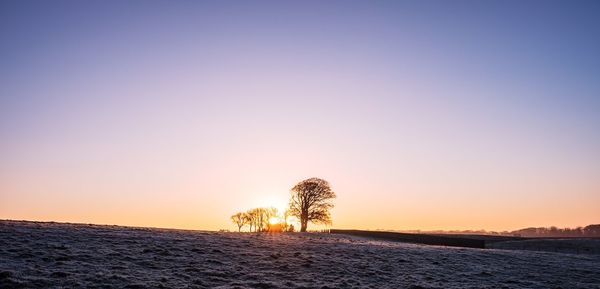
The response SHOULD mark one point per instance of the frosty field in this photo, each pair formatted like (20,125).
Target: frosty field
(52,255)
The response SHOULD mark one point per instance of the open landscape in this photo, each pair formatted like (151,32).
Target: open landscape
(387,144)
(57,255)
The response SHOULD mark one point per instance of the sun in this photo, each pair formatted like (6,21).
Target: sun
(274,220)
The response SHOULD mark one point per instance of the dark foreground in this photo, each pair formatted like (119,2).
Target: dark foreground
(49,255)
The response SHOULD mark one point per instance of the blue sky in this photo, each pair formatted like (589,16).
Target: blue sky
(464,108)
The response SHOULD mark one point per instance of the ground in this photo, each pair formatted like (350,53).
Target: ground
(50,255)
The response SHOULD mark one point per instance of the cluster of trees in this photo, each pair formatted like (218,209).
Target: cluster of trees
(261,220)
(310,201)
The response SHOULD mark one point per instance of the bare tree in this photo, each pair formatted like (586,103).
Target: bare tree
(286,214)
(259,221)
(252,219)
(270,213)
(258,218)
(239,219)
(311,202)
(248,220)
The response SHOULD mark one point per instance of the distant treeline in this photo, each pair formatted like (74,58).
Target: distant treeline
(587,231)
(592,231)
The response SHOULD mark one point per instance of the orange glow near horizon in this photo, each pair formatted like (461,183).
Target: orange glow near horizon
(354,209)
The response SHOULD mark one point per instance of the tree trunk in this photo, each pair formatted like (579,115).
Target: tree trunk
(303,227)
(303,224)
(303,221)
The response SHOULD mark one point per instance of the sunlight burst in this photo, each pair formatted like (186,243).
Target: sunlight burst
(274,220)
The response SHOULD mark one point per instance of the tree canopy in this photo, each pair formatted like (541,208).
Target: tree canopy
(311,201)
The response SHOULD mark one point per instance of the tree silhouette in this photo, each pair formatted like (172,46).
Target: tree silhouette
(253,219)
(271,212)
(261,219)
(286,214)
(239,219)
(248,220)
(311,202)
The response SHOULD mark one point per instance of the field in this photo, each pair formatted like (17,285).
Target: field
(50,255)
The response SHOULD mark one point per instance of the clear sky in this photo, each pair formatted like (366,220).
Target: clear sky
(421,114)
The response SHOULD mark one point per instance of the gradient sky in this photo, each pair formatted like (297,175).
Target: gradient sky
(421,114)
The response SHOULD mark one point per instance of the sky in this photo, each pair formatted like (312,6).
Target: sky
(430,115)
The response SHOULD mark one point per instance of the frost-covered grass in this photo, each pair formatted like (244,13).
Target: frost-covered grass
(64,255)
(564,245)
